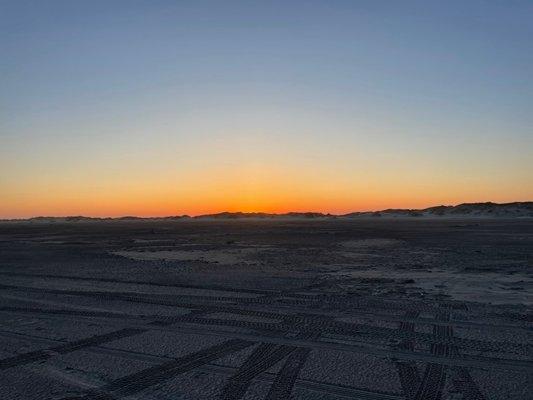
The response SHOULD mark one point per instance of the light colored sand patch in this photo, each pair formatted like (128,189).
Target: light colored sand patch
(484,287)
(214,256)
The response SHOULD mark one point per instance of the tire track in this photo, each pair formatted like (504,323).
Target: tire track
(262,358)
(432,383)
(287,375)
(307,384)
(138,381)
(271,296)
(269,355)
(276,336)
(272,314)
(78,313)
(434,378)
(283,384)
(133,282)
(463,383)
(209,308)
(300,298)
(461,378)
(40,355)
(337,327)
(407,370)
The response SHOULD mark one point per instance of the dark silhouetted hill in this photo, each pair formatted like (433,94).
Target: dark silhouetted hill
(473,210)
(466,210)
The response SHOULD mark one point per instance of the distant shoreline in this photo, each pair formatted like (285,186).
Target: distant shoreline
(464,210)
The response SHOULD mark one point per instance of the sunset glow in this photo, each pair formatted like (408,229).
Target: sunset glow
(112,108)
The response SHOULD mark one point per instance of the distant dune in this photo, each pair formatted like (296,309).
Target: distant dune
(474,210)
(466,210)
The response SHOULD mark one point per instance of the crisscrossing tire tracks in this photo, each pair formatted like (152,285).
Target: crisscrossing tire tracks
(136,382)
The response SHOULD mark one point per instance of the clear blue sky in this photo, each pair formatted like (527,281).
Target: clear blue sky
(163,107)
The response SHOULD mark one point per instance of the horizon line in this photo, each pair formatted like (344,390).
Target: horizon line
(260,213)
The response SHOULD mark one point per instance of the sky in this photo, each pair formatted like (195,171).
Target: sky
(152,108)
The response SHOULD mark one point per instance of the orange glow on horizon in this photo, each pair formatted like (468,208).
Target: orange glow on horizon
(123,205)
(256,188)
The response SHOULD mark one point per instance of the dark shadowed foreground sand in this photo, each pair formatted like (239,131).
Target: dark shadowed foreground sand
(320,309)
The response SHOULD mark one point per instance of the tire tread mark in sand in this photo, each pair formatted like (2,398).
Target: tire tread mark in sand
(461,378)
(463,382)
(286,378)
(434,378)
(39,355)
(432,383)
(407,370)
(138,381)
(81,313)
(298,298)
(270,296)
(262,358)
(133,282)
(465,360)
(327,389)
(357,330)
(336,328)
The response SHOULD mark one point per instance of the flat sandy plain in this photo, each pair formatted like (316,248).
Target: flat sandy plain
(267,309)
